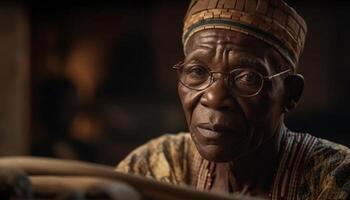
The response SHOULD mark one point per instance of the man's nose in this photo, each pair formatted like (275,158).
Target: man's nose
(218,96)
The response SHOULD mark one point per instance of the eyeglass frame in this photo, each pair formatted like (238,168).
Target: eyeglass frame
(211,77)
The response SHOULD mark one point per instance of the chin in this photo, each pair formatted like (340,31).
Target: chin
(230,149)
(217,153)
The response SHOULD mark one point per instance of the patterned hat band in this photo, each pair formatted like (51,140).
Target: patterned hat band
(271,21)
(242,28)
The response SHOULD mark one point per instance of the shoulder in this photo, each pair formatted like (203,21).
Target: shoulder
(165,144)
(329,157)
(168,141)
(326,149)
(162,158)
(327,170)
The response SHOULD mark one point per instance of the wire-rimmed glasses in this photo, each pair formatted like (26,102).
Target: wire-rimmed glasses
(243,82)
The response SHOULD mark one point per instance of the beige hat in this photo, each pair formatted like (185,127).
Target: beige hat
(272,21)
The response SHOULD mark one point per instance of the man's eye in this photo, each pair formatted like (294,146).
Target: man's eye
(248,78)
(196,72)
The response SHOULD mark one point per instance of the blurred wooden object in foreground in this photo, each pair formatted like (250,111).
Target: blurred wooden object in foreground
(46,178)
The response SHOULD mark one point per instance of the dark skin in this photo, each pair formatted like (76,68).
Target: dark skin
(246,129)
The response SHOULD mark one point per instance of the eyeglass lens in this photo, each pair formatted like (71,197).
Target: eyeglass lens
(241,81)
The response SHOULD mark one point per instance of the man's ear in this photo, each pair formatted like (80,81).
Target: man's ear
(294,86)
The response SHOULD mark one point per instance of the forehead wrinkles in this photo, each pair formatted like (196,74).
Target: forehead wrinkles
(223,48)
(217,41)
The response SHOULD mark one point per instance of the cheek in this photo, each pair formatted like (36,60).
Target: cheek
(264,108)
(189,99)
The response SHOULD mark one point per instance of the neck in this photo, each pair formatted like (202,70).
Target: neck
(256,170)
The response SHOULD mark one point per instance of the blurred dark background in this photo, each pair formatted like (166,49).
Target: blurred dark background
(95,78)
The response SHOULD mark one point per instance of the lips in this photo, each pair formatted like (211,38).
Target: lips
(215,131)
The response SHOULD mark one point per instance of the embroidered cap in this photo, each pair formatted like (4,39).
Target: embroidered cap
(272,21)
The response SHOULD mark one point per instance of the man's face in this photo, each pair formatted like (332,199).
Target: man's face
(225,127)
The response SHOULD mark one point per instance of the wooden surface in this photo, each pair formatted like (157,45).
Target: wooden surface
(45,168)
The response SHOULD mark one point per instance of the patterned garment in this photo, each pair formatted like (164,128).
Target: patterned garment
(309,168)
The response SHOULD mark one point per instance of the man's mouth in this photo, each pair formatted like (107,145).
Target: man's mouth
(215,131)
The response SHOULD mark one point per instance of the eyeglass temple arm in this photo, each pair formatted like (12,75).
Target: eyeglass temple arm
(178,65)
(278,74)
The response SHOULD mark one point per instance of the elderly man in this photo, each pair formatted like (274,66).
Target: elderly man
(238,80)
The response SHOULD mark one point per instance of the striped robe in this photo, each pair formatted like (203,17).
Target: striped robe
(309,168)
